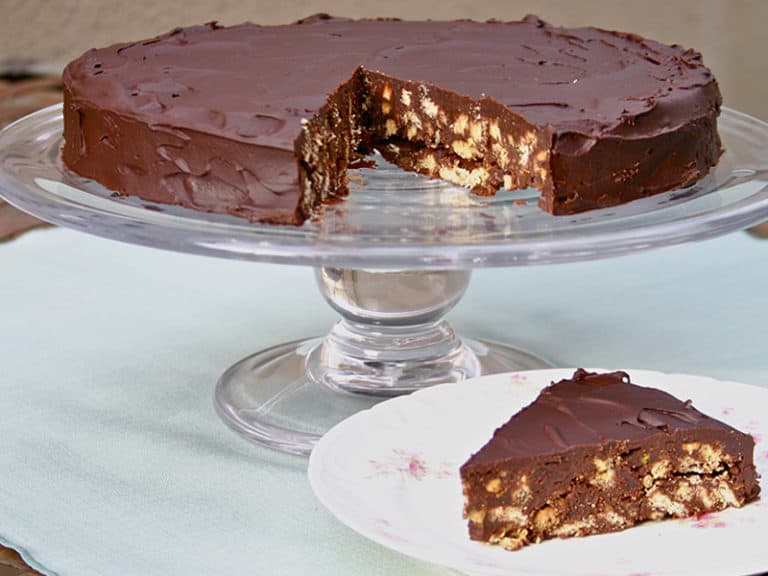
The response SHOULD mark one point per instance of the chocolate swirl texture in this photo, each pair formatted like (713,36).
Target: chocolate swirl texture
(221,118)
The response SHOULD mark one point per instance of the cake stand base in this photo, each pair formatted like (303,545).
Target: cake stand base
(268,398)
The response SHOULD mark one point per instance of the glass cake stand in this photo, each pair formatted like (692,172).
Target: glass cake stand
(392,260)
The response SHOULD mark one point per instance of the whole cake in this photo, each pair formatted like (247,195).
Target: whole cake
(596,454)
(265,121)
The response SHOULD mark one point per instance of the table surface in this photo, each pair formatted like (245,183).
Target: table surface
(109,353)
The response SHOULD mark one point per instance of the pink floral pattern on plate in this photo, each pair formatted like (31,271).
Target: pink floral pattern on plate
(710,520)
(411,464)
(384,527)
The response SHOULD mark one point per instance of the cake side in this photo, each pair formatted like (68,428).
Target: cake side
(671,144)
(632,168)
(172,165)
(597,454)
(139,119)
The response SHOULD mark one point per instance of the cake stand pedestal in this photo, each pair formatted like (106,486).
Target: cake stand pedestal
(391,340)
(392,260)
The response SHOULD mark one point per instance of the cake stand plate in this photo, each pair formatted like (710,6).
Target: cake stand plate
(392,260)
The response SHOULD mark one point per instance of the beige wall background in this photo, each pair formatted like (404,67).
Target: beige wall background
(730,33)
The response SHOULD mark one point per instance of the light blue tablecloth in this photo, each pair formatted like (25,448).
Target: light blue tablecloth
(113,461)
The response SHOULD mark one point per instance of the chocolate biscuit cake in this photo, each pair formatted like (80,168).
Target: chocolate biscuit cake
(596,454)
(265,121)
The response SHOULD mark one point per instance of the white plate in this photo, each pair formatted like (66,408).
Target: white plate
(391,474)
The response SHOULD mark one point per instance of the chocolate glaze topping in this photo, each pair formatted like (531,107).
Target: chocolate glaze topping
(208,116)
(592,409)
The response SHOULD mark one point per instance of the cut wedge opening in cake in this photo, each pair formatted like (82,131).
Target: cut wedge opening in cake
(596,454)
(477,144)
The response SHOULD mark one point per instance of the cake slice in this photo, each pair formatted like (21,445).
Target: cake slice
(596,453)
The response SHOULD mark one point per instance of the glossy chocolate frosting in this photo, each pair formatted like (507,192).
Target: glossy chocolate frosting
(208,116)
(593,409)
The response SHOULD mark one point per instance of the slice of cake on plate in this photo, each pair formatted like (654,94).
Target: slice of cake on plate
(597,453)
